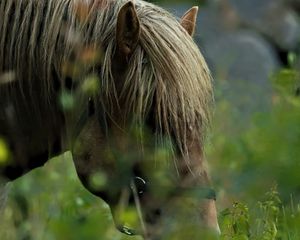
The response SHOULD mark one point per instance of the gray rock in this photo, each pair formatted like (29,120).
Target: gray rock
(245,54)
(272,18)
(211,20)
(242,64)
(241,61)
(211,24)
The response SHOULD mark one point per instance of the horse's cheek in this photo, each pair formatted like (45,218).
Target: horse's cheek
(87,154)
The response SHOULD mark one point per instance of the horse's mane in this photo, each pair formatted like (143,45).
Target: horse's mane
(166,71)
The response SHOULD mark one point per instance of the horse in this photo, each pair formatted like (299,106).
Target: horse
(148,78)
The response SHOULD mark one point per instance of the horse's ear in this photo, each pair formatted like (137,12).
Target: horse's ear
(188,21)
(128,30)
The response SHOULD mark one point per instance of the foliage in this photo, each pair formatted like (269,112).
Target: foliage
(256,168)
(50,203)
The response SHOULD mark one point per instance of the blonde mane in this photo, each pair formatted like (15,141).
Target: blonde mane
(166,71)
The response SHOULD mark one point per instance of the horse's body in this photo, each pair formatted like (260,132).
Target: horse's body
(151,73)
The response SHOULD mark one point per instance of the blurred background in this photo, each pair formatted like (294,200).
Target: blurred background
(253,150)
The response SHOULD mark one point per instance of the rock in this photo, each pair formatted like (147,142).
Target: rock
(242,63)
(271,17)
(295,4)
(241,59)
(212,23)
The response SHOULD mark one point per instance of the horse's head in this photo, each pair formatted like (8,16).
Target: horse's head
(156,92)
(139,137)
